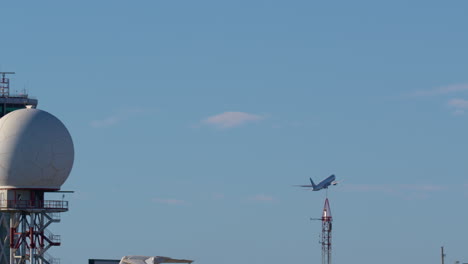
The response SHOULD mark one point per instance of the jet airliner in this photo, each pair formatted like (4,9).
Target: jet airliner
(330,180)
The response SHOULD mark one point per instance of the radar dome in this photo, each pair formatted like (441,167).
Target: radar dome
(36,151)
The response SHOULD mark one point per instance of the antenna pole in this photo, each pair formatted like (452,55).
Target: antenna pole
(5,84)
(326,237)
(442,254)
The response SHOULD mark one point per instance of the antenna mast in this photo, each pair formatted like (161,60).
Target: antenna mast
(326,233)
(442,254)
(326,237)
(5,84)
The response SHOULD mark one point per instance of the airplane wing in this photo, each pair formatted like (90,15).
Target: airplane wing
(310,186)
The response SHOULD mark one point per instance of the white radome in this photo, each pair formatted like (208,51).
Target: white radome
(36,151)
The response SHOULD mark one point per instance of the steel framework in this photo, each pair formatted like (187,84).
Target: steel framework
(28,238)
(326,239)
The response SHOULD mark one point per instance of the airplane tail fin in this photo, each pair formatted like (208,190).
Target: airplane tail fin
(312,182)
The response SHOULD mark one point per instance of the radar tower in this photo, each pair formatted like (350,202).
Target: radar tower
(26,176)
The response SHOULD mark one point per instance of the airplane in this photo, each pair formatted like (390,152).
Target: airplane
(330,180)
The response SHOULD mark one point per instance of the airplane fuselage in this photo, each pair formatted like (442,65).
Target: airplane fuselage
(325,183)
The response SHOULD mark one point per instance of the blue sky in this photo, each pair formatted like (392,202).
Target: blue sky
(192,120)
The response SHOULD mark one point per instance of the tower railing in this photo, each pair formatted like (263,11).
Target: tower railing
(33,204)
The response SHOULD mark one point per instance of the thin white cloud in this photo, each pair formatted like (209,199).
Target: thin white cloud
(218,196)
(231,119)
(390,188)
(262,198)
(449,89)
(460,105)
(406,191)
(169,201)
(106,122)
(115,118)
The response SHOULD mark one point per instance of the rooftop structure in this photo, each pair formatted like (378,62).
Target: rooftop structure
(103,261)
(10,102)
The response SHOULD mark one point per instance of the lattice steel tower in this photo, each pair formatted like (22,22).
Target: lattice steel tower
(326,238)
(27,220)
